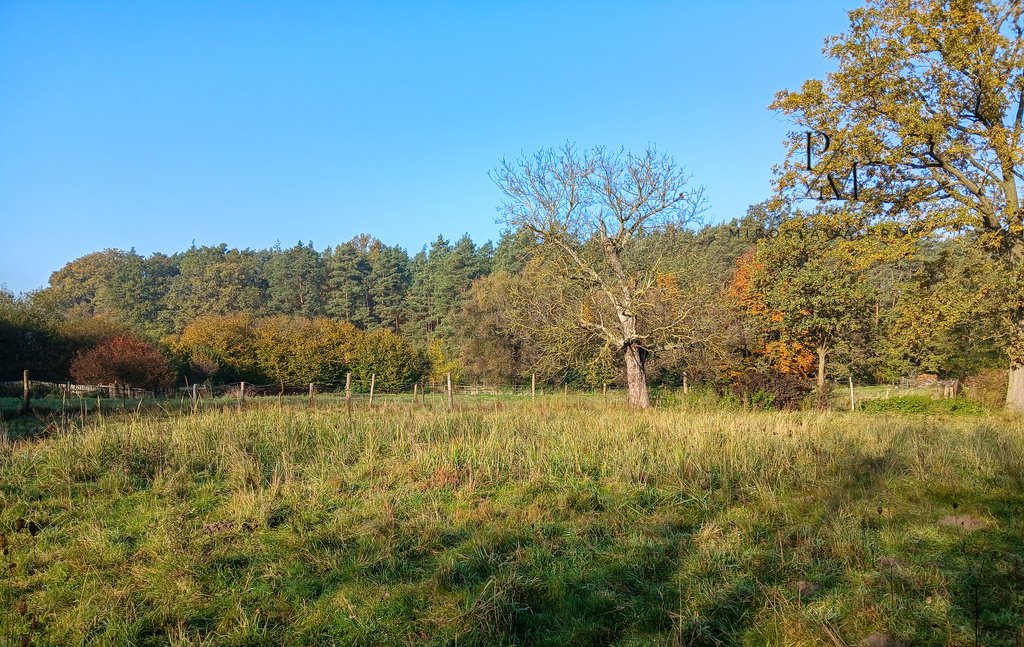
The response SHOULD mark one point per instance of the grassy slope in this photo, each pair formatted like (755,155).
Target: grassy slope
(507,523)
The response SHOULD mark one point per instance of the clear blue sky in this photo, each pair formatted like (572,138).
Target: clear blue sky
(150,125)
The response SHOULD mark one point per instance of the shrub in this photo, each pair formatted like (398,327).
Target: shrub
(124,361)
(770,389)
(294,350)
(220,347)
(395,362)
(988,387)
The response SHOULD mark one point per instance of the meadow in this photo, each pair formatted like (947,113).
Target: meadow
(567,521)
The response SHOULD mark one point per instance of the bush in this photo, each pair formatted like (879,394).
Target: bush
(220,347)
(923,404)
(124,361)
(295,350)
(394,361)
(770,389)
(988,387)
(282,349)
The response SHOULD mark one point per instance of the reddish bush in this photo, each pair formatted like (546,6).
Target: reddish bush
(125,361)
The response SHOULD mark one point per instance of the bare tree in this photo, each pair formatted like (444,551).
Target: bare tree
(597,213)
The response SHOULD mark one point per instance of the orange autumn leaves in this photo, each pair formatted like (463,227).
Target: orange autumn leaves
(782,353)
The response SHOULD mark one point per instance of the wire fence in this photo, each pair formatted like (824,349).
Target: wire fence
(353,387)
(67,388)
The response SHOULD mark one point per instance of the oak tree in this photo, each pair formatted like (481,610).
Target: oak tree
(927,99)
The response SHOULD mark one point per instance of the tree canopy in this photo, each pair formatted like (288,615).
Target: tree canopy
(926,110)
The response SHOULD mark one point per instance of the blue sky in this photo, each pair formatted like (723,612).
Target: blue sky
(153,125)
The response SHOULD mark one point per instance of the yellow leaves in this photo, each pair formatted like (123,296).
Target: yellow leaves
(441,363)
(925,92)
(289,349)
(666,283)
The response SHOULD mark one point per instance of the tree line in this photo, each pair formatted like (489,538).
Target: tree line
(767,293)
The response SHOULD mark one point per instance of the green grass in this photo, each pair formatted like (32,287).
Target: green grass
(565,522)
(922,404)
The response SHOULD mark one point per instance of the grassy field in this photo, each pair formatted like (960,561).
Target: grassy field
(566,522)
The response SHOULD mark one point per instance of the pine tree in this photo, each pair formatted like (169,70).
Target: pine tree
(296,281)
(348,271)
(388,282)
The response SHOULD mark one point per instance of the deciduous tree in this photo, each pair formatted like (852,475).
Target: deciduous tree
(594,210)
(927,98)
(804,290)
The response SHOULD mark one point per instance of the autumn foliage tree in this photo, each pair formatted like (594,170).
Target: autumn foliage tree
(296,350)
(220,347)
(804,291)
(493,347)
(770,343)
(123,361)
(927,99)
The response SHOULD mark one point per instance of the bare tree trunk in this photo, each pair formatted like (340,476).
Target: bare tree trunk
(1015,383)
(1015,388)
(636,377)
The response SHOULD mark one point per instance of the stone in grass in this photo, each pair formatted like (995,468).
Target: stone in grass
(964,521)
(880,639)
(805,589)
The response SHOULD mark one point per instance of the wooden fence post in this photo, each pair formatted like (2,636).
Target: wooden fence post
(451,402)
(311,396)
(415,396)
(373,381)
(604,392)
(241,393)
(26,394)
(533,386)
(853,402)
(348,393)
